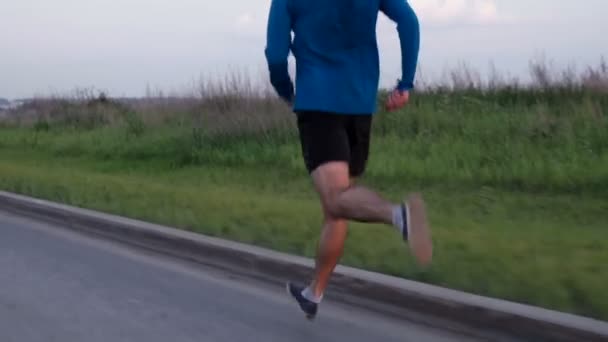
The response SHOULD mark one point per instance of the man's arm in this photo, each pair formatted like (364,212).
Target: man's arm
(278,44)
(408,28)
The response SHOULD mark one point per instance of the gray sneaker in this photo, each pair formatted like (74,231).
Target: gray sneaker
(308,307)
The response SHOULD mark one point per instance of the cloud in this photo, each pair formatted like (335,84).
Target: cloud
(244,20)
(250,24)
(456,11)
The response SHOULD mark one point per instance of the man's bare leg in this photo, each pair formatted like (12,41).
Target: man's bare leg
(329,252)
(342,201)
(332,181)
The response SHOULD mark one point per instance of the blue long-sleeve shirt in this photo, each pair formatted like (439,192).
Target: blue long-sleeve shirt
(336,51)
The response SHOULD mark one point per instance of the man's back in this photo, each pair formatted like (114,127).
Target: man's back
(333,30)
(336,51)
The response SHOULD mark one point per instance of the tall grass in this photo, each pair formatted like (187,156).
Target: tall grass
(548,135)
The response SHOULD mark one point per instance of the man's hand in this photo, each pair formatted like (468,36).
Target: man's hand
(397,100)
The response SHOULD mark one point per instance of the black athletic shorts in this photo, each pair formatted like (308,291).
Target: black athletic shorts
(327,137)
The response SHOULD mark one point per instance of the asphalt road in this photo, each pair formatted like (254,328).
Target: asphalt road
(57,285)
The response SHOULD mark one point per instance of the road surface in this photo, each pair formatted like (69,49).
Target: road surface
(56,285)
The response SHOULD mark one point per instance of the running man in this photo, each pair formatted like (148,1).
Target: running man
(337,81)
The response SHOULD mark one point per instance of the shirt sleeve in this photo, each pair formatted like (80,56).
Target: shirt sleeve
(278,45)
(408,28)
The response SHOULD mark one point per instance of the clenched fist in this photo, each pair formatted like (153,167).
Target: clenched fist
(397,100)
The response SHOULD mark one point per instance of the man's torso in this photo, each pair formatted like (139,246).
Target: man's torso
(336,53)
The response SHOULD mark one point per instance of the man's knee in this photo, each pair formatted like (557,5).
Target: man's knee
(332,205)
(331,180)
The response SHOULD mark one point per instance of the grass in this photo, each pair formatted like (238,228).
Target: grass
(516,181)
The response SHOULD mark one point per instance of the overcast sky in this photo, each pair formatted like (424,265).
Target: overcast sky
(123,46)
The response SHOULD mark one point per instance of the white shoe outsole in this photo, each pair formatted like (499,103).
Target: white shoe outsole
(419,235)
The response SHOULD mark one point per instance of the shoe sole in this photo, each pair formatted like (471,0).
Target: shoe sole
(419,238)
(309,317)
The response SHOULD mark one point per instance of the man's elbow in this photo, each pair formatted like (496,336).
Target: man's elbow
(408,20)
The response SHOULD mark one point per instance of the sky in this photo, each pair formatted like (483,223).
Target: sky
(126,47)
